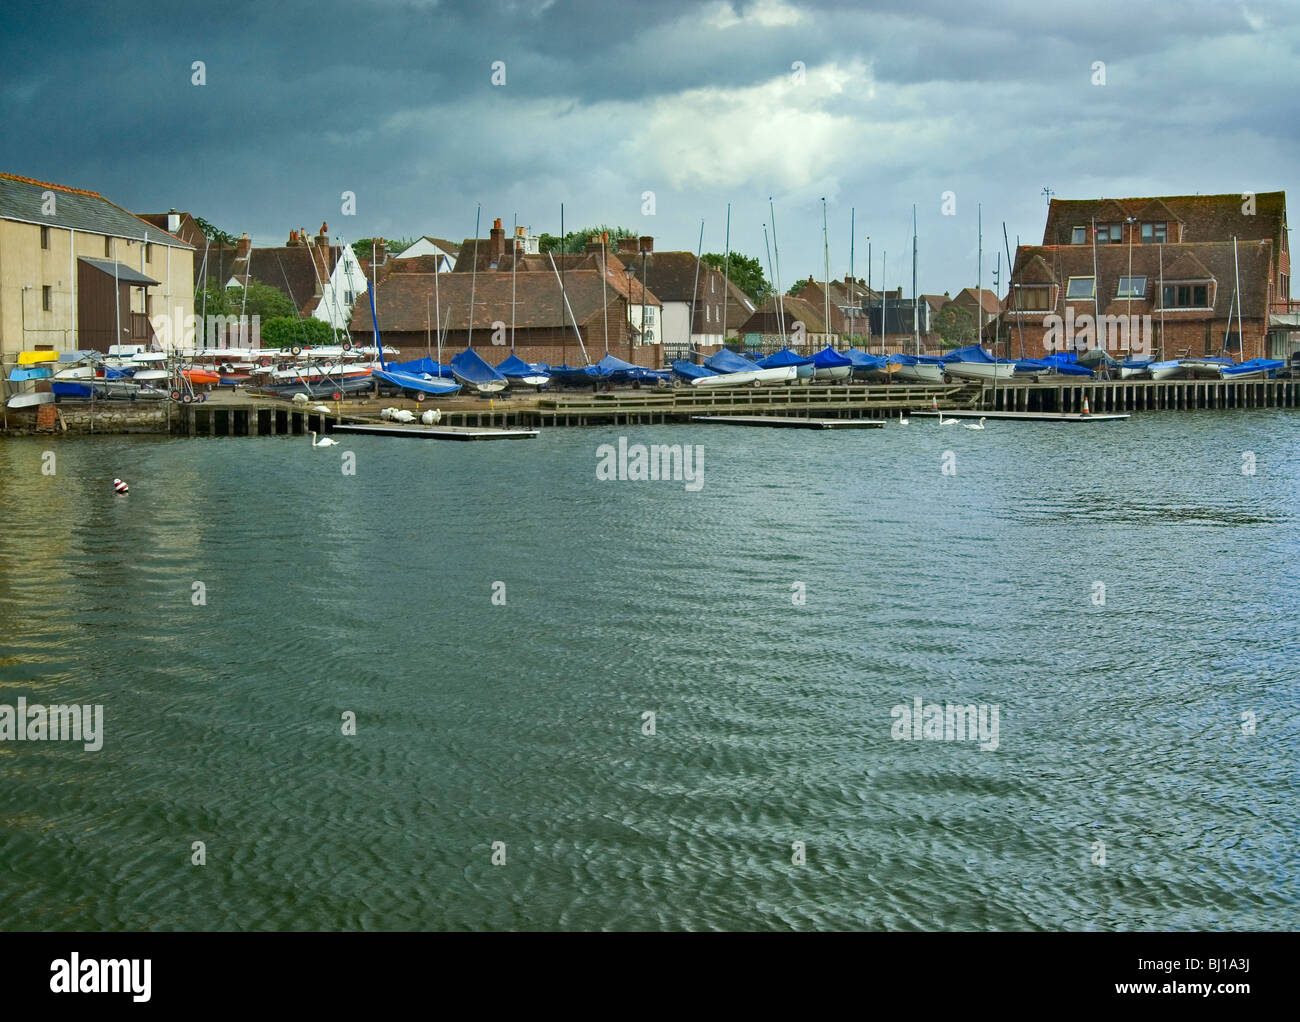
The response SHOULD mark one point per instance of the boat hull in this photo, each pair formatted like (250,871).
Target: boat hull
(1167,370)
(831,373)
(30,400)
(990,372)
(922,372)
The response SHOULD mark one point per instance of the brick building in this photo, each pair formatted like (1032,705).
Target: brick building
(1159,274)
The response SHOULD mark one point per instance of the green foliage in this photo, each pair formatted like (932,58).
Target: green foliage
(214,234)
(746,273)
(286,331)
(955,325)
(263,300)
(576,241)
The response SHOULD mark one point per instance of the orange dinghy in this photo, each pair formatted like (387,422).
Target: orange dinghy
(200,376)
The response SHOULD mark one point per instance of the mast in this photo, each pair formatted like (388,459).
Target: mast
(564,350)
(979,280)
(374,315)
(514,264)
(1236,273)
(473,274)
(1096,308)
(1160,252)
(884,299)
(776,250)
(853,281)
(916,308)
(780,317)
(726,275)
(690,328)
(604,302)
(437,318)
(826,289)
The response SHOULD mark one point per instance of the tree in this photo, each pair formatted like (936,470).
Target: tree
(955,325)
(575,242)
(286,331)
(214,234)
(746,273)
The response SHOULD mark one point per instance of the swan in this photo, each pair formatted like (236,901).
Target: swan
(969,425)
(300,399)
(402,415)
(948,422)
(903,420)
(320,408)
(324,441)
(431,417)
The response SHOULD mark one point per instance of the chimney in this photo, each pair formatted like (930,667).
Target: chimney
(380,254)
(173,221)
(323,239)
(242,246)
(293,237)
(594,244)
(627,246)
(497,243)
(646,243)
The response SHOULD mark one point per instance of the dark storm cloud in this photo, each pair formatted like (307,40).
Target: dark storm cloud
(392,99)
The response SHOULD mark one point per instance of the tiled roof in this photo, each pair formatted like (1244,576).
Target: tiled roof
(298,265)
(21,198)
(765,319)
(1202,261)
(971,295)
(1204,217)
(403,300)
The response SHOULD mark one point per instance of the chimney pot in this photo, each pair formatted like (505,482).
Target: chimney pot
(242,248)
(646,243)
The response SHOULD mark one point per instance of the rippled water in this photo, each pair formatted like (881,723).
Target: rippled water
(479,723)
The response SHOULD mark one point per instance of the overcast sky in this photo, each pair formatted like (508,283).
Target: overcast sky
(702,104)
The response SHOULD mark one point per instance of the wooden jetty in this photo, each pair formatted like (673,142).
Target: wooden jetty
(246,415)
(435,432)
(781,422)
(1031,416)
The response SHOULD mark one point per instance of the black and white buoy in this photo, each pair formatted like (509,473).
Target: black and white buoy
(119,487)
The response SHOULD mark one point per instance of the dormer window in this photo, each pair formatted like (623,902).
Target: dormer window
(1079,236)
(1110,234)
(1132,287)
(1186,296)
(1079,288)
(1156,234)
(1034,299)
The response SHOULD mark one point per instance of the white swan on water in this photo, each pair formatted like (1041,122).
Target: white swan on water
(969,425)
(948,422)
(324,441)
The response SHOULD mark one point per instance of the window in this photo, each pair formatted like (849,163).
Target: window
(1155,234)
(1080,287)
(1132,287)
(45,237)
(108,247)
(1186,296)
(1233,343)
(349,297)
(148,252)
(1034,299)
(1109,234)
(1079,236)
(45,294)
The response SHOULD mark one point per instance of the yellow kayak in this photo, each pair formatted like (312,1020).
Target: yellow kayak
(28,358)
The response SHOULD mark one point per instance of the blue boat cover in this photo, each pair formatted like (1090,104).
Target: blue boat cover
(912,360)
(829,358)
(514,367)
(1137,363)
(468,365)
(781,359)
(727,361)
(421,365)
(70,389)
(424,383)
(1271,365)
(609,367)
(690,371)
(572,374)
(864,360)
